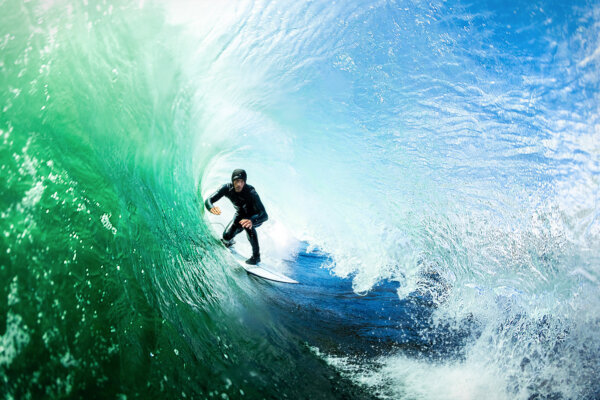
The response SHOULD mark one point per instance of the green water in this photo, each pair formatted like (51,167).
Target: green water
(111,283)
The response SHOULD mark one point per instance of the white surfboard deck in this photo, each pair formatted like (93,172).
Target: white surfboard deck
(259,270)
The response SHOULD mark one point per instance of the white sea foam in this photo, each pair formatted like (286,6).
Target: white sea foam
(105,219)
(15,338)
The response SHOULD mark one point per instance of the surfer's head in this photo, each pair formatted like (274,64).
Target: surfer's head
(238,178)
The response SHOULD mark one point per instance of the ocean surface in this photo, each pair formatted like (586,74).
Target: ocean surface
(431,171)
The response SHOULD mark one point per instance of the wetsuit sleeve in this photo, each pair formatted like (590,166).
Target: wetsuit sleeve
(208,203)
(261,214)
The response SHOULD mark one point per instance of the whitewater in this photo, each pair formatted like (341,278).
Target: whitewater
(431,172)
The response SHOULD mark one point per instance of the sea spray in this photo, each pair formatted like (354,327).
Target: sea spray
(443,152)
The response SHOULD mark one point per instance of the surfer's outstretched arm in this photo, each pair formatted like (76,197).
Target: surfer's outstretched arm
(208,203)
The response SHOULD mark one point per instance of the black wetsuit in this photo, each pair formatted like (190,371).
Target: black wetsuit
(247,206)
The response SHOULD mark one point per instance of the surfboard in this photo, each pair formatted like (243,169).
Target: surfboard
(259,270)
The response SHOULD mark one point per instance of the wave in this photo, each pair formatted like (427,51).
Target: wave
(441,156)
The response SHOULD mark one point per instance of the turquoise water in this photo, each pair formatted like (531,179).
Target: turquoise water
(431,173)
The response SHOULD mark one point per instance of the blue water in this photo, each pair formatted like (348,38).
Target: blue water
(431,171)
(364,326)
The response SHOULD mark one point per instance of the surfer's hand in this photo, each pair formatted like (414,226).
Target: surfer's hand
(246,223)
(215,210)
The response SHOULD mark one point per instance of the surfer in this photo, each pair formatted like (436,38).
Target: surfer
(249,211)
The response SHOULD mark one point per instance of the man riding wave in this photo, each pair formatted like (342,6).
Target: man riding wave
(250,212)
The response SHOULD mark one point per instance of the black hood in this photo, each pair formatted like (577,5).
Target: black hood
(238,174)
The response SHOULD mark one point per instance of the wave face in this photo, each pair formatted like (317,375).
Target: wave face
(443,156)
